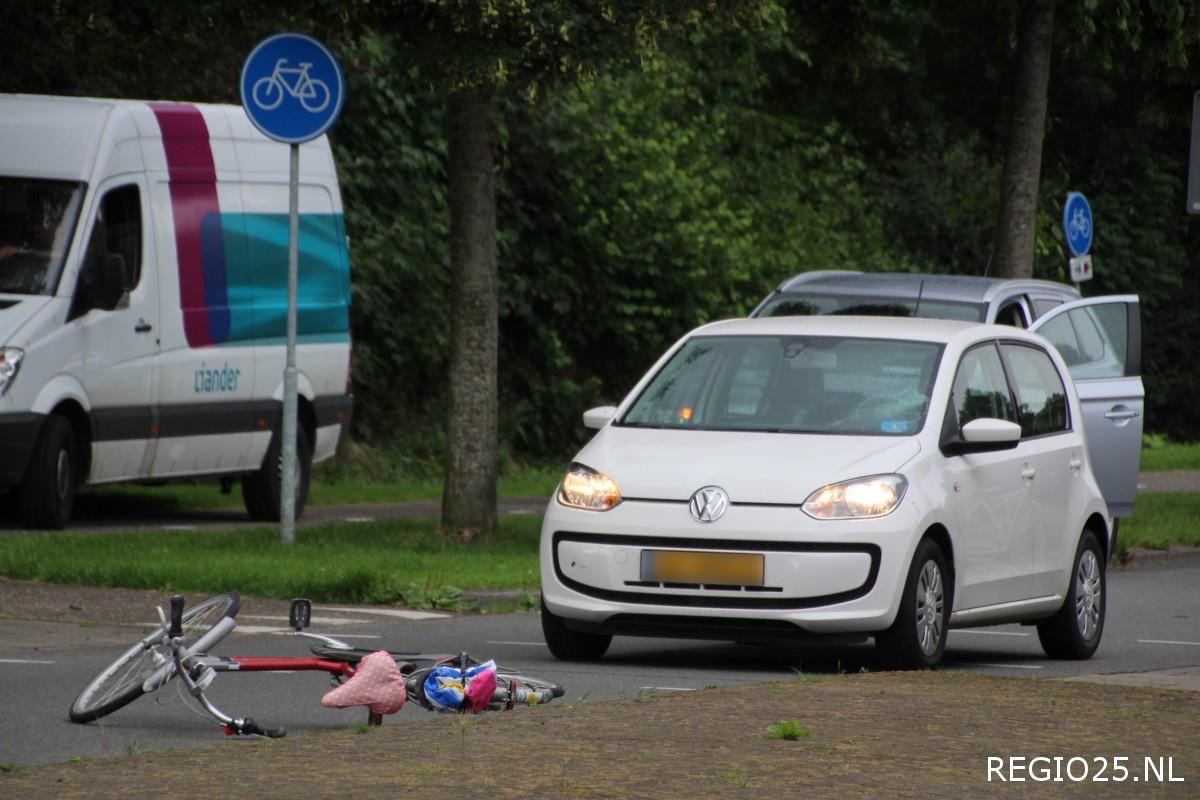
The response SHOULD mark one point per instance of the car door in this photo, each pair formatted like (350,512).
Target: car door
(1100,339)
(989,493)
(115,304)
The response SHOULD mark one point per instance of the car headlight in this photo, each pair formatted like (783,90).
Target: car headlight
(584,487)
(860,498)
(10,362)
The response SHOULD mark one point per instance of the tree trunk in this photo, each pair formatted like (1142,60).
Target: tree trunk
(1017,227)
(469,494)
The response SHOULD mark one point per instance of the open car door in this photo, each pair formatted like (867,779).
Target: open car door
(1100,338)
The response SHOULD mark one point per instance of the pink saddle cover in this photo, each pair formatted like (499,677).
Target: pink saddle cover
(376,684)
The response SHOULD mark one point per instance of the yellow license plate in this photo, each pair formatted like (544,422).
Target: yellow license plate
(685,566)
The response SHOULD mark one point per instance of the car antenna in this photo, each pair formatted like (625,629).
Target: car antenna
(920,292)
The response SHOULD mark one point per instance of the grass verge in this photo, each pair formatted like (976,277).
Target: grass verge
(1160,521)
(395,561)
(1159,455)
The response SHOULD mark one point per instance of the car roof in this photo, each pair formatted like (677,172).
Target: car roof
(962,288)
(871,327)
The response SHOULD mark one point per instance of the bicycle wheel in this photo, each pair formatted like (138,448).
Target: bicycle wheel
(505,676)
(121,682)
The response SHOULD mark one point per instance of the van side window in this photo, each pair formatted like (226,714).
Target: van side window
(113,259)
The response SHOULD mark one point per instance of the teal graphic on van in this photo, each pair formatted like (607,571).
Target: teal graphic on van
(253,251)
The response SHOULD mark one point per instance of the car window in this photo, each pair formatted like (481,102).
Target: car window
(981,388)
(791,384)
(1091,339)
(1041,397)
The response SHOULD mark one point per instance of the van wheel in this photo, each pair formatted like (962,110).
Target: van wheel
(261,490)
(1074,632)
(568,645)
(917,639)
(47,494)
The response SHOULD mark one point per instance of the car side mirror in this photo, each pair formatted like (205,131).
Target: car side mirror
(597,418)
(983,435)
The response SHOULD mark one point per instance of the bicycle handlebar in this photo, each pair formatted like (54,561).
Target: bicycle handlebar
(248,727)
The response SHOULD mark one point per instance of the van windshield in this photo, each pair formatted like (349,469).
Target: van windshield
(37,219)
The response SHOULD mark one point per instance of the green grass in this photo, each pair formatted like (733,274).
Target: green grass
(1162,520)
(377,562)
(1159,455)
(331,486)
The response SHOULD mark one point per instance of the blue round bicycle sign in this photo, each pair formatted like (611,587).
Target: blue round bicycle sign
(292,88)
(1077,224)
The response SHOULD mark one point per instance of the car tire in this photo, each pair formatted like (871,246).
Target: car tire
(917,639)
(1074,632)
(568,645)
(261,490)
(47,493)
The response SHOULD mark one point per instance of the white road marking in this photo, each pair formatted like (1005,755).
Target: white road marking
(1167,641)
(990,633)
(360,519)
(522,644)
(1007,666)
(23,661)
(399,613)
(667,688)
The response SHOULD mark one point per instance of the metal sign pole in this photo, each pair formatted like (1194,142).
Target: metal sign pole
(287,488)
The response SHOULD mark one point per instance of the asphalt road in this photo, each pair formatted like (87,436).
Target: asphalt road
(1153,624)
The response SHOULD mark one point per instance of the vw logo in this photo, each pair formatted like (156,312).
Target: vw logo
(708,504)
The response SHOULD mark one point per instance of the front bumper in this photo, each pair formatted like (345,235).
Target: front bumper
(18,435)
(819,576)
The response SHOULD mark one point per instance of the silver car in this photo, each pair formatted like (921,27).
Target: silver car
(1099,338)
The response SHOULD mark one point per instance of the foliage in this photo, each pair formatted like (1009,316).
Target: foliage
(789,730)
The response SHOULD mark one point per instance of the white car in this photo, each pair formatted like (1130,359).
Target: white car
(786,477)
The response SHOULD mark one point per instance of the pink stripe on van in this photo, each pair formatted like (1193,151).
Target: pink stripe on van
(193,185)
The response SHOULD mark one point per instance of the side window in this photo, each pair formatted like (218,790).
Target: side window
(1012,313)
(113,259)
(1041,397)
(1091,339)
(980,387)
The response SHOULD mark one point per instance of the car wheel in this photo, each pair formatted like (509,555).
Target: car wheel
(262,492)
(1074,632)
(47,493)
(568,645)
(918,636)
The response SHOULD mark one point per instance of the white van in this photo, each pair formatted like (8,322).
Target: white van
(143,301)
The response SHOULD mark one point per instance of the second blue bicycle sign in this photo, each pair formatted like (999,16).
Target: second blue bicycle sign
(292,88)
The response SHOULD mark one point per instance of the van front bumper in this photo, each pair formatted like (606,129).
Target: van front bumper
(18,435)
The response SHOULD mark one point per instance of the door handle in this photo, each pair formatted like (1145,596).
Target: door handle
(1028,473)
(1075,464)
(142,327)
(1122,412)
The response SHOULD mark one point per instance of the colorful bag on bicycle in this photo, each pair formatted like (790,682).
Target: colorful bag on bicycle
(377,684)
(444,687)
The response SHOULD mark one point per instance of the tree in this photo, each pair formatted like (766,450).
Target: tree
(1017,227)
(472,50)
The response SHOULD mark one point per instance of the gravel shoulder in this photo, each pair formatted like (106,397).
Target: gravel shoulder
(902,735)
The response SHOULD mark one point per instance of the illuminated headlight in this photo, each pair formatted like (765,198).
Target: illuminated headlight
(860,498)
(10,362)
(584,487)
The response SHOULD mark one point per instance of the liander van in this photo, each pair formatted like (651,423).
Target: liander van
(143,301)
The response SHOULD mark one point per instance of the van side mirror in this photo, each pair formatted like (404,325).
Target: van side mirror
(114,280)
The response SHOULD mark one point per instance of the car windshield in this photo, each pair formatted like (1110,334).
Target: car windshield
(792,384)
(798,304)
(37,219)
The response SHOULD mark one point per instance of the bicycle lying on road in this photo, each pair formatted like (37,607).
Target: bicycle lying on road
(179,647)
